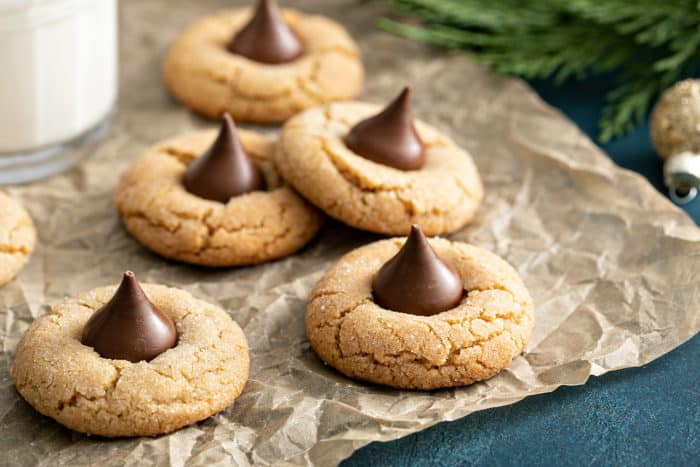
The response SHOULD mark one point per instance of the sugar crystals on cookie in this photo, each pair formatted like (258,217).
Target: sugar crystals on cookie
(214,198)
(379,169)
(109,362)
(17,238)
(262,64)
(419,313)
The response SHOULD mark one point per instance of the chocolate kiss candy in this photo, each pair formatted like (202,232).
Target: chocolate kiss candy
(416,281)
(266,38)
(129,326)
(225,170)
(390,137)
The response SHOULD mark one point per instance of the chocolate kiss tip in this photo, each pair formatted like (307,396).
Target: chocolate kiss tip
(416,280)
(129,326)
(390,137)
(267,37)
(224,170)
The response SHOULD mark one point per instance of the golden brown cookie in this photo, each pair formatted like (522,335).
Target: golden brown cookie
(249,229)
(71,383)
(470,342)
(17,238)
(312,156)
(201,73)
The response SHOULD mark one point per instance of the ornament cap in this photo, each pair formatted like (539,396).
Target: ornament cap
(682,177)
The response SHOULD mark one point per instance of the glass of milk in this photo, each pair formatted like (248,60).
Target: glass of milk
(58,82)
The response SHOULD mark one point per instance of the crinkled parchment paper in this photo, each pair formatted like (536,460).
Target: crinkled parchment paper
(612,265)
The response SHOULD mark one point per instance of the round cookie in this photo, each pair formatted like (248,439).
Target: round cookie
(17,238)
(470,342)
(442,196)
(201,73)
(249,229)
(71,383)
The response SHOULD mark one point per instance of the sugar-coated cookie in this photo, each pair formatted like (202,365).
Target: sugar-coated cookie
(313,156)
(201,71)
(17,238)
(250,228)
(72,383)
(469,342)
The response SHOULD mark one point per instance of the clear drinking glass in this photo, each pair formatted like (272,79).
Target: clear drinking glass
(58,82)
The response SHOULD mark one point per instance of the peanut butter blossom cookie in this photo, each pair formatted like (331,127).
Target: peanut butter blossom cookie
(17,238)
(419,313)
(215,200)
(127,361)
(379,170)
(262,65)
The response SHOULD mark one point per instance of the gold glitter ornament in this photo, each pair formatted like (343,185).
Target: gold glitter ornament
(675,132)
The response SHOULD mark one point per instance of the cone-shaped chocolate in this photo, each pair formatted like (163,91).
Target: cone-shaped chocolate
(225,170)
(267,38)
(416,281)
(129,326)
(390,138)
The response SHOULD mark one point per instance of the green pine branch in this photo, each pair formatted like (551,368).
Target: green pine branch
(655,42)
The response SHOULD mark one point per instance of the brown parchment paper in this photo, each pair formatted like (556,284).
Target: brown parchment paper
(611,264)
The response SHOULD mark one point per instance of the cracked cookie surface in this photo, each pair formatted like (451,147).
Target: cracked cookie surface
(249,229)
(202,74)
(17,238)
(441,197)
(69,382)
(468,343)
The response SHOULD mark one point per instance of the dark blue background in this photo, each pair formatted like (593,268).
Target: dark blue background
(638,416)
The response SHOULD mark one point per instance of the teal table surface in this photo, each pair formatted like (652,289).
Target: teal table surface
(638,416)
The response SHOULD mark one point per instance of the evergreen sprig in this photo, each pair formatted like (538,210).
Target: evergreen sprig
(652,43)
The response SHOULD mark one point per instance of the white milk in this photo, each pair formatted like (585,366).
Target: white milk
(58,75)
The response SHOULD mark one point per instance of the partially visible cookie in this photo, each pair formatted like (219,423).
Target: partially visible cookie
(312,155)
(205,76)
(70,382)
(248,229)
(17,238)
(469,342)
